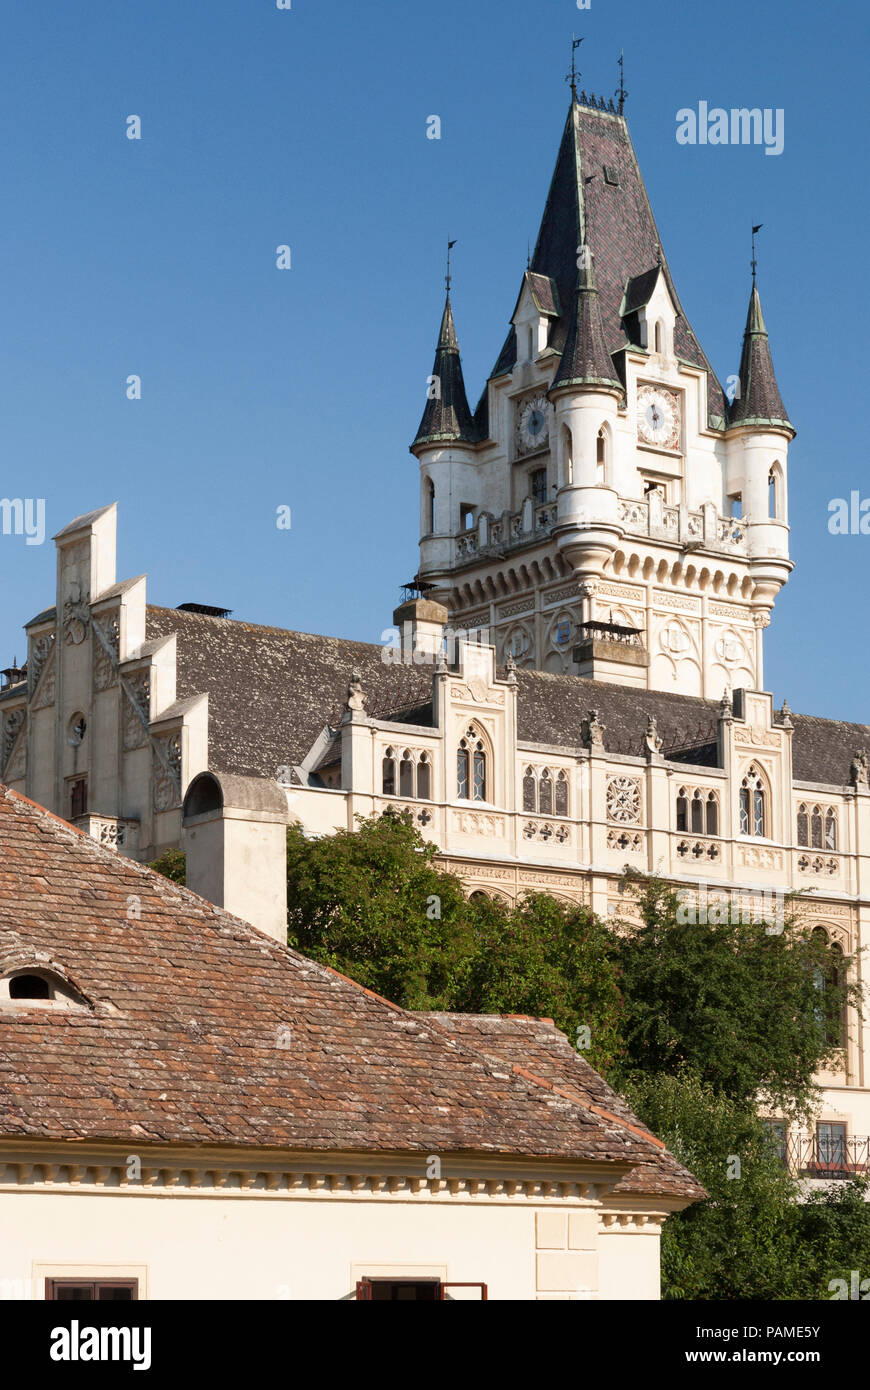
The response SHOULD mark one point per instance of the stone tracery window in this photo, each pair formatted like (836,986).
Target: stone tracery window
(697,811)
(816,827)
(471,767)
(753,808)
(410,775)
(545,791)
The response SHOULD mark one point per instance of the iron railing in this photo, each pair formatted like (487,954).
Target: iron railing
(815,1157)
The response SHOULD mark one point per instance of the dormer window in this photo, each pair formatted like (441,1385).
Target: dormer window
(35,986)
(29,987)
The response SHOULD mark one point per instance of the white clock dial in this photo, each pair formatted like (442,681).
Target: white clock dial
(534,423)
(658,417)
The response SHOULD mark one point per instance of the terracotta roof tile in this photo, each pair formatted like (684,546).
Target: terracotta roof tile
(178,1040)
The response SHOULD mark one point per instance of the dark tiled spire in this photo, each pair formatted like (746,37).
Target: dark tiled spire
(585,359)
(447,415)
(759,402)
(597,198)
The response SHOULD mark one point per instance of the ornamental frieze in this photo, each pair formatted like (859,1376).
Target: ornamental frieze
(756,738)
(40,650)
(107,646)
(623,591)
(478,823)
(477,691)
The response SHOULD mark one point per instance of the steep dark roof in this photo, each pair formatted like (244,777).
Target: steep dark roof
(271,692)
(615,220)
(447,415)
(176,1041)
(551,709)
(759,402)
(585,360)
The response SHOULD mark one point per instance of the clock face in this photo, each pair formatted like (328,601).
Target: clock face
(533,426)
(658,417)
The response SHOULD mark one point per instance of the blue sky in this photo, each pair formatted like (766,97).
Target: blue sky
(303,388)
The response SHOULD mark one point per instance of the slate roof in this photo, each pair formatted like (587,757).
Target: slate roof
(538,1045)
(178,1042)
(447,415)
(272,692)
(759,402)
(585,360)
(616,222)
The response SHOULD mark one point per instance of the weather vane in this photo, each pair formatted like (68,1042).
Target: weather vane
(574,74)
(755,231)
(448,277)
(620,91)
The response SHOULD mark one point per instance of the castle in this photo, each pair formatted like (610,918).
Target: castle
(608,530)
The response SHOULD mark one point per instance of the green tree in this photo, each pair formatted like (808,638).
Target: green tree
(547,958)
(374,904)
(172,864)
(737,1003)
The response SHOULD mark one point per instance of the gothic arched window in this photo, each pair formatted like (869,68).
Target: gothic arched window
(816,828)
(561,795)
(753,811)
(530,791)
(659,336)
(830,828)
(424,778)
(406,775)
(545,793)
(430,506)
(388,781)
(682,811)
(697,814)
(601,456)
(712,814)
(471,767)
(803,826)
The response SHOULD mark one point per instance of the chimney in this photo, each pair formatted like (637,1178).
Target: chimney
(420,622)
(234,833)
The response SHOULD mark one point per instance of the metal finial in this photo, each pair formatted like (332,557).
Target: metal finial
(448,277)
(620,91)
(755,231)
(574,74)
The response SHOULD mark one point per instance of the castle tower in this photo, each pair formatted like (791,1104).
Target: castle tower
(605,510)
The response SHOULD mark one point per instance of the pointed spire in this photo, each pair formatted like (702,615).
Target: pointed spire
(758,401)
(447,415)
(585,360)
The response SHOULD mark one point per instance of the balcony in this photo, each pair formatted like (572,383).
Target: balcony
(814,1157)
(696,529)
(609,642)
(510,531)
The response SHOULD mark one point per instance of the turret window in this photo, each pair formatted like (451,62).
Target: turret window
(430,507)
(753,809)
(601,457)
(471,767)
(538,485)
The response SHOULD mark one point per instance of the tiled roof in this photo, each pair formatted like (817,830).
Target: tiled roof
(585,360)
(296,682)
(179,1042)
(611,214)
(271,692)
(759,401)
(537,1045)
(447,415)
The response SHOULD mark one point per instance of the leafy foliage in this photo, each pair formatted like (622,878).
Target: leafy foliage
(373,904)
(699,995)
(172,864)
